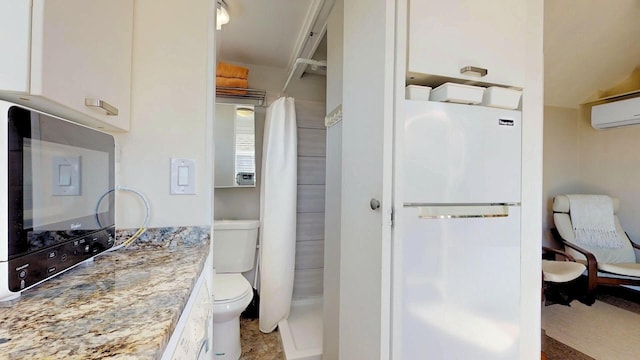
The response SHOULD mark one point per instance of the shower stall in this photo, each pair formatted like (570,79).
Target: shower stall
(301,331)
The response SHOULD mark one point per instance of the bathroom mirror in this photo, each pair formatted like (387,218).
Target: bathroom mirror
(235,164)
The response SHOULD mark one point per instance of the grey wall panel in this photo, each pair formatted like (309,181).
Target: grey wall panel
(311,142)
(310,114)
(308,280)
(309,254)
(307,283)
(310,198)
(310,226)
(311,170)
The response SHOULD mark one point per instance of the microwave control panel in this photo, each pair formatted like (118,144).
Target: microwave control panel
(35,267)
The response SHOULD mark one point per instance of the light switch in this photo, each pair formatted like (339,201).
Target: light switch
(183,175)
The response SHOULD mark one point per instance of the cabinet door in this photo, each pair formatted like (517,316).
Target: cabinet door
(82,50)
(445,36)
(15,32)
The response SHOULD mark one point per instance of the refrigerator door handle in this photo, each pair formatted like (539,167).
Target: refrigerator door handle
(462,211)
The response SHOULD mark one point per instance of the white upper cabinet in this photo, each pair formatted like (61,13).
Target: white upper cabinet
(69,57)
(447,36)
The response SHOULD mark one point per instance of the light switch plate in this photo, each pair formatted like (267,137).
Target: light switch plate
(183,176)
(66,176)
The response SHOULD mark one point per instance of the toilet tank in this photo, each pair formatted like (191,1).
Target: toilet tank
(234,245)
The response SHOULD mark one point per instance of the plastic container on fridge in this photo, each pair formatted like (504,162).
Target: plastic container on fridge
(457,93)
(500,97)
(417,92)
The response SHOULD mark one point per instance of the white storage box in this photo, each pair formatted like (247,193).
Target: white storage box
(417,92)
(457,93)
(501,97)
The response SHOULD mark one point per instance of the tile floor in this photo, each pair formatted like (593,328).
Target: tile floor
(259,346)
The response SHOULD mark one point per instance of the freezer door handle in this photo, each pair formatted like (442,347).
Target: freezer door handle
(462,211)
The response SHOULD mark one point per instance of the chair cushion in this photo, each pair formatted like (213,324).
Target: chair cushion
(561,271)
(629,269)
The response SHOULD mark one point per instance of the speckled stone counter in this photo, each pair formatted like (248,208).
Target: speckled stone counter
(124,305)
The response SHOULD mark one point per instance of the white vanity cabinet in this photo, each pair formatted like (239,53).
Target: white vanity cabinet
(446,36)
(69,57)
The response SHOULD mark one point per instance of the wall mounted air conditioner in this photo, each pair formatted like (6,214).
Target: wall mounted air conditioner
(617,113)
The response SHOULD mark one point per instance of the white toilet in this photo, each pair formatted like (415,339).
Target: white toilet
(234,249)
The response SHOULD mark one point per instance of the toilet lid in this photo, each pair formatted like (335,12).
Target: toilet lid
(229,286)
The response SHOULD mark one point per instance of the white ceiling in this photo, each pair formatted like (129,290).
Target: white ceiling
(589,45)
(266,33)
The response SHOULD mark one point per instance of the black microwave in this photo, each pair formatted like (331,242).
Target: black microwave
(59,196)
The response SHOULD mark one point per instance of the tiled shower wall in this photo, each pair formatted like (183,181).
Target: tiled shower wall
(311,190)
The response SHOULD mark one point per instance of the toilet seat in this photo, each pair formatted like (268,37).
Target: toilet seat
(228,288)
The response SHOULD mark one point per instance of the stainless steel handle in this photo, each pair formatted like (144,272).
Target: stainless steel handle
(110,109)
(463,211)
(473,70)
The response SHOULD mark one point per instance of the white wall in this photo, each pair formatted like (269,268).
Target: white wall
(580,159)
(169,113)
(335,33)
(331,298)
(560,162)
(532,156)
(367,130)
(608,163)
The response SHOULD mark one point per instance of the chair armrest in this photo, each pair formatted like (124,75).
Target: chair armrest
(635,246)
(591,259)
(559,252)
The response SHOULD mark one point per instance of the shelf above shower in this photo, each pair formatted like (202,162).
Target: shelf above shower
(244,96)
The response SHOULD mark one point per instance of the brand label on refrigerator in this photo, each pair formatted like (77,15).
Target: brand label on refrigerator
(505,122)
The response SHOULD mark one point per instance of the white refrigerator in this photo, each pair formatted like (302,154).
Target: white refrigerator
(460,239)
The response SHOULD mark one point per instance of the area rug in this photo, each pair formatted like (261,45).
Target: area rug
(621,297)
(601,331)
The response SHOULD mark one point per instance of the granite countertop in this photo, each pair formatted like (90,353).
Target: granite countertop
(123,305)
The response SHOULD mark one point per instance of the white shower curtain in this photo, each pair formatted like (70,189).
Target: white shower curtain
(278,192)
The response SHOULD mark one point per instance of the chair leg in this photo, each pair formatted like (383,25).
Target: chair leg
(589,299)
(589,296)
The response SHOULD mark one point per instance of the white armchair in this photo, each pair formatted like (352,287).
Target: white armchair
(605,265)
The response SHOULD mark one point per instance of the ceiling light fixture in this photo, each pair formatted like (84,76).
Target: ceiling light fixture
(222,15)
(244,111)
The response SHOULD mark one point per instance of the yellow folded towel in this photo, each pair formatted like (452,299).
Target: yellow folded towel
(231,71)
(231,83)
